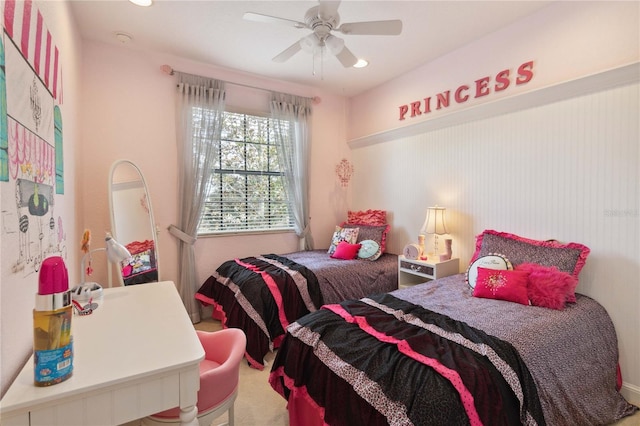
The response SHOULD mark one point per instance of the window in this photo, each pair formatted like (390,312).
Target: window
(247,191)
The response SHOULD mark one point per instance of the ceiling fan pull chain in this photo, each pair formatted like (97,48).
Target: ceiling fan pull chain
(313,64)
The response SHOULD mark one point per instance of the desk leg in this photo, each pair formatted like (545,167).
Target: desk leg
(189,416)
(189,386)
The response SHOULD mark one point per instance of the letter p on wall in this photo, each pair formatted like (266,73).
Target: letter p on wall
(403,111)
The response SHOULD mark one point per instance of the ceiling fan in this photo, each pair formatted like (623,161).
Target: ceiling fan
(322,20)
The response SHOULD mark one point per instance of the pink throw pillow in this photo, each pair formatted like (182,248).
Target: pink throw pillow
(502,284)
(548,286)
(349,235)
(346,251)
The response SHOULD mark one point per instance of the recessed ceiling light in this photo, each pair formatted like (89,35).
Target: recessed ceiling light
(361,63)
(123,37)
(142,2)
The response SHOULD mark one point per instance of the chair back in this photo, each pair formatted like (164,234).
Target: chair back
(225,350)
(219,374)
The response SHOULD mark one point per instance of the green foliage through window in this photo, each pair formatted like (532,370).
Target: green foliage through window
(247,191)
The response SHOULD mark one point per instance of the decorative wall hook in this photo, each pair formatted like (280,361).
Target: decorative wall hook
(344,170)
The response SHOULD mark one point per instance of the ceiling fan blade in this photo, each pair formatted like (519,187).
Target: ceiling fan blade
(258,17)
(287,53)
(346,58)
(328,9)
(336,47)
(393,27)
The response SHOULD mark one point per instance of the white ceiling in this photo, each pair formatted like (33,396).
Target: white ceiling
(213,32)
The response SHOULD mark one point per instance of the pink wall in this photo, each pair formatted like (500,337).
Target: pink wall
(128,112)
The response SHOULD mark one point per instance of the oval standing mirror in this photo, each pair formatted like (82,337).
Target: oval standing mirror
(132,223)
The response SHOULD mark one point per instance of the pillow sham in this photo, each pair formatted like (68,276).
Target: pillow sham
(548,287)
(367,217)
(502,284)
(370,250)
(369,232)
(346,251)
(569,257)
(350,235)
(370,218)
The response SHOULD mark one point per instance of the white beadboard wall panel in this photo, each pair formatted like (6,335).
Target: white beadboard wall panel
(567,170)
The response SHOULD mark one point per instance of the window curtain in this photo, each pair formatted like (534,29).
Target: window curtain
(199,111)
(293,154)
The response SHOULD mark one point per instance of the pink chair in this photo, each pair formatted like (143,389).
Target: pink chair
(219,374)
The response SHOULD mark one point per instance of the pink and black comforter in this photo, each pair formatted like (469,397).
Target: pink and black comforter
(435,355)
(262,295)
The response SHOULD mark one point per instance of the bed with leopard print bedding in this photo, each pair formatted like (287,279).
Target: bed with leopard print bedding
(262,295)
(434,354)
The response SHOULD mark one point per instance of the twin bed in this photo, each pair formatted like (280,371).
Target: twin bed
(262,295)
(458,350)
(434,354)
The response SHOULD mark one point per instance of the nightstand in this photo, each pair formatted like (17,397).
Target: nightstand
(414,271)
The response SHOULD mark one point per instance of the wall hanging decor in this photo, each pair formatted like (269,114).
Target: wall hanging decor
(31,140)
(344,170)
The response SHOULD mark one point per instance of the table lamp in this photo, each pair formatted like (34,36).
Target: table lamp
(116,253)
(434,223)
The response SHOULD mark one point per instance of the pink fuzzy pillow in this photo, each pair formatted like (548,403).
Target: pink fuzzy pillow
(346,251)
(548,287)
(502,284)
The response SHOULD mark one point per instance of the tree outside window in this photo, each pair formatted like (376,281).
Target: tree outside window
(246,192)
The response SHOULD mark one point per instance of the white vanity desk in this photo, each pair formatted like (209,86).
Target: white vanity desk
(136,355)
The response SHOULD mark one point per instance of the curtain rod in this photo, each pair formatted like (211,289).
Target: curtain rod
(167,69)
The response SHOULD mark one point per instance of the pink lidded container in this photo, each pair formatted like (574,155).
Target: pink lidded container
(52,315)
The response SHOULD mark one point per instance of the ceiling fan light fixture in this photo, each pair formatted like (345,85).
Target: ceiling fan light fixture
(310,43)
(361,63)
(335,44)
(123,37)
(322,20)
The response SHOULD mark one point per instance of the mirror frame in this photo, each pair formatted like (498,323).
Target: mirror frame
(152,222)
